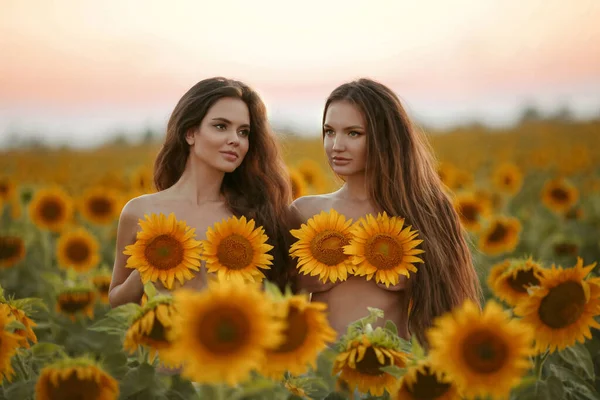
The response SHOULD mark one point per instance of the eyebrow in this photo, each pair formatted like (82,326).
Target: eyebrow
(347,128)
(229,122)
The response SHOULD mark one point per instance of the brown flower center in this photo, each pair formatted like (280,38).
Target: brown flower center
(74,388)
(370,365)
(427,387)
(383,251)
(164,252)
(10,247)
(563,305)
(498,234)
(507,180)
(296,331)
(565,249)
(235,252)
(522,280)
(77,251)
(71,304)
(158,331)
(4,190)
(51,210)
(327,247)
(469,212)
(100,206)
(484,352)
(559,194)
(224,330)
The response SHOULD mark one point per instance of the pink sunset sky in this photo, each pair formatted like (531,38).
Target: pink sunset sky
(78,71)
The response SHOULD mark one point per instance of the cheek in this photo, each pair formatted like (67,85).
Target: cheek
(327,144)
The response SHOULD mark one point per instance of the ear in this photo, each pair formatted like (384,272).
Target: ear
(190,136)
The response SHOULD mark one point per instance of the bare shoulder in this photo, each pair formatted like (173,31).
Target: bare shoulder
(307,206)
(135,208)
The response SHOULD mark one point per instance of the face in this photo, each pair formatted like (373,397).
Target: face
(221,141)
(345,138)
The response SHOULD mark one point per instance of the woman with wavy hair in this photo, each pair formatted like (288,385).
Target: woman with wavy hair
(388,167)
(219,159)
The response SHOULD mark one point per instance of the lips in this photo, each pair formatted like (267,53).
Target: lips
(336,158)
(230,153)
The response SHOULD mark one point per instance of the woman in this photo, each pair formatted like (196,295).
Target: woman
(220,158)
(388,167)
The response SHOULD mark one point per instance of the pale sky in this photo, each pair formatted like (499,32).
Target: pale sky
(80,70)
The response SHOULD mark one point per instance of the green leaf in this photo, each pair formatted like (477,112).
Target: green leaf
(393,370)
(14,325)
(391,326)
(272,290)
(45,350)
(579,356)
(22,390)
(416,349)
(150,290)
(555,388)
(137,379)
(115,364)
(117,320)
(573,383)
(30,305)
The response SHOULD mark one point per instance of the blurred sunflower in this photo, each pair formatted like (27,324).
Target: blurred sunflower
(76,378)
(507,178)
(298,184)
(27,334)
(500,236)
(165,249)
(306,334)
(361,361)
(72,302)
(447,174)
(485,353)
(383,247)
(8,189)
(51,209)
(295,390)
(312,173)
(9,343)
(77,249)
(510,280)
(223,332)
(141,180)
(12,250)
(463,180)
(563,308)
(421,382)
(320,246)
(559,195)
(151,329)
(236,250)
(102,285)
(100,205)
(470,210)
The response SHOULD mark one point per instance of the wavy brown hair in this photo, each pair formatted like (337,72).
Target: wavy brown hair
(402,181)
(259,188)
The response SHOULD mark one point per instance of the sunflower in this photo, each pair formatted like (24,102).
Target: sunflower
(447,174)
(360,365)
(74,301)
(295,390)
(165,249)
(151,328)
(77,249)
(51,209)
(312,173)
(470,210)
(421,382)
(236,250)
(306,335)
(559,195)
(12,250)
(9,343)
(100,205)
(27,334)
(102,285)
(562,309)
(510,280)
(507,178)
(141,180)
(384,248)
(462,180)
(297,183)
(320,246)
(223,332)
(76,378)
(500,236)
(485,353)
(8,189)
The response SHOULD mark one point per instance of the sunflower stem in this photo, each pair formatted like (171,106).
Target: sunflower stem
(21,365)
(540,359)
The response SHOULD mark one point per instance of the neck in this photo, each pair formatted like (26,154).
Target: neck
(199,182)
(355,188)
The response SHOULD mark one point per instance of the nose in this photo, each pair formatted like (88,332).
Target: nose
(338,143)
(233,139)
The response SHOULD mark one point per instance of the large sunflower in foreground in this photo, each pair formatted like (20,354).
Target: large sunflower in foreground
(100,205)
(470,210)
(507,178)
(165,249)
(510,280)
(151,329)
(73,302)
(563,308)
(485,353)
(306,334)
(222,333)
(320,246)
(51,209)
(383,247)
(421,382)
(236,250)
(559,195)
(25,335)
(77,378)
(77,249)
(359,365)
(9,343)
(12,250)
(500,236)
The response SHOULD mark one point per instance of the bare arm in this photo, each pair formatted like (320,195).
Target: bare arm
(126,285)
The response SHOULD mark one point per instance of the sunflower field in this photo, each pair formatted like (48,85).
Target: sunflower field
(528,198)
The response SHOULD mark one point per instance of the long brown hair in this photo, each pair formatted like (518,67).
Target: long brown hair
(402,181)
(259,188)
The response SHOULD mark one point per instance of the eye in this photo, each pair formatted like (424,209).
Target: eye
(329,132)
(220,127)
(353,134)
(244,133)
